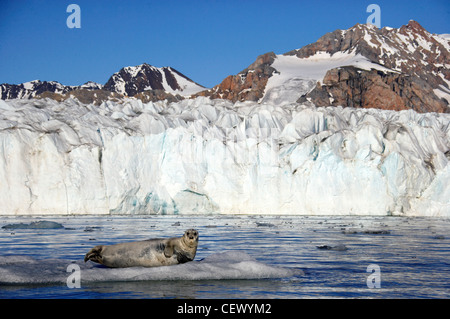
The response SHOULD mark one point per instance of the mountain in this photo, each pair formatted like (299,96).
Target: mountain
(144,81)
(361,67)
(136,79)
(405,68)
(36,88)
(31,89)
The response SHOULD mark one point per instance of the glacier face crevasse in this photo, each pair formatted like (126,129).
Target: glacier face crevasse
(212,156)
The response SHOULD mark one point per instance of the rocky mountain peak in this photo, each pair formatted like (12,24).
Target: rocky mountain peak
(363,66)
(418,74)
(132,80)
(415,27)
(247,85)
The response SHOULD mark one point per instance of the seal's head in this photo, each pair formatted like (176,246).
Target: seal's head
(191,237)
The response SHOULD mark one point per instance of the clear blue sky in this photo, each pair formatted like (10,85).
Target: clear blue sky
(206,40)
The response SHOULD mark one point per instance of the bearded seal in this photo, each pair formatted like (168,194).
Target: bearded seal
(147,253)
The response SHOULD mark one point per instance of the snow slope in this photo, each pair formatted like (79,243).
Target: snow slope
(202,156)
(295,77)
(187,87)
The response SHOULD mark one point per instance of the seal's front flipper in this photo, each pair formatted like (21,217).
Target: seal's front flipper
(95,255)
(182,258)
(168,251)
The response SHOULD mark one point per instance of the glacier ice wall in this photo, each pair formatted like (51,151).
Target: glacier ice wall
(212,156)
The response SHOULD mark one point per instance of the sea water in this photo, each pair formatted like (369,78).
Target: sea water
(239,256)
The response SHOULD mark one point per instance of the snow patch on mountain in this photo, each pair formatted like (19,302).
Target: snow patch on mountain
(187,86)
(295,76)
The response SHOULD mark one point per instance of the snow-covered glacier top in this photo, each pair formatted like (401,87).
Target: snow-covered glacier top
(202,156)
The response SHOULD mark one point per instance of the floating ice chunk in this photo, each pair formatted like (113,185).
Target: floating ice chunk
(219,266)
(339,247)
(43,224)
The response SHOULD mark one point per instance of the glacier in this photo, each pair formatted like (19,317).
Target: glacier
(203,156)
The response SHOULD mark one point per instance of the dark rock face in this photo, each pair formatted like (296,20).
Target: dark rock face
(132,80)
(157,95)
(353,87)
(171,80)
(247,85)
(85,96)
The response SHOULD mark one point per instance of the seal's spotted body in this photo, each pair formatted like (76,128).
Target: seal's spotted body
(147,253)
